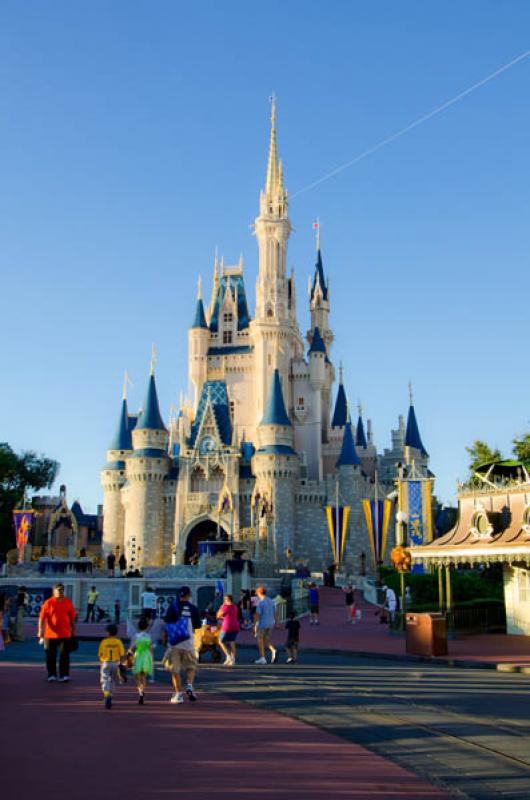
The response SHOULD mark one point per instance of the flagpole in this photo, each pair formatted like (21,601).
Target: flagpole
(376,533)
(336,516)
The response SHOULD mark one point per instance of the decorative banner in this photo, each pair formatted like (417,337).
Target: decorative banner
(416,503)
(225,501)
(377,515)
(337,532)
(22,521)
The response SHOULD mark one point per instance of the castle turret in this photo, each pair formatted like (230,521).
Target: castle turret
(113,479)
(276,467)
(318,380)
(319,299)
(340,413)
(414,448)
(147,468)
(198,343)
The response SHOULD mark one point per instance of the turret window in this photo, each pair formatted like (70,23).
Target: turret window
(227,337)
(228,318)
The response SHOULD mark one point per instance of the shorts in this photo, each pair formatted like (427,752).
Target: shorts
(313,608)
(291,644)
(175,659)
(264,634)
(228,636)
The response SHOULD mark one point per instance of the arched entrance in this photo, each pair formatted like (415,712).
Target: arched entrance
(203,531)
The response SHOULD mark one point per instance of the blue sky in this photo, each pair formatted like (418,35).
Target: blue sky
(133,141)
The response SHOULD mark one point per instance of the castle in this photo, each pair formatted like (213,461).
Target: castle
(261,449)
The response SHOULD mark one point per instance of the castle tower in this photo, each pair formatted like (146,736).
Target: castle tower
(274,331)
(198,343)
(318,380)
(112,480)
(277,467)
(319,300)
(147,467)
(414,449)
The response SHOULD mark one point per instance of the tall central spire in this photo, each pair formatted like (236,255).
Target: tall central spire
(274,180)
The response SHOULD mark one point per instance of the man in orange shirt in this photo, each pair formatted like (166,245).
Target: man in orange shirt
(56,626)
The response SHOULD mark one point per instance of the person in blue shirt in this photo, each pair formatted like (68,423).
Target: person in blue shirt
(314,607)
(264,620)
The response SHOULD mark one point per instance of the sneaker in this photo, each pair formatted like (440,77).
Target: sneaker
(178,697)
(64,679)
(52,678)
(289,661)
(191,694)
(108,702)
(227,662)
(274,657)
(260,661)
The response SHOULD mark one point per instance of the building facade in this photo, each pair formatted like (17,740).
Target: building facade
(261,448)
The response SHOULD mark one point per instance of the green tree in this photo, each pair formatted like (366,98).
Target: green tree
(19,473)
(481,453)
(521,448)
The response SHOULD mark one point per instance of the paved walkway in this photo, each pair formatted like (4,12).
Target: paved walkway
(63,742)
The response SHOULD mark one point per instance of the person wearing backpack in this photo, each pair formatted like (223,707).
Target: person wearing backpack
(182,620)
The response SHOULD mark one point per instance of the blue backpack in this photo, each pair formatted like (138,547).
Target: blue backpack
(178,630)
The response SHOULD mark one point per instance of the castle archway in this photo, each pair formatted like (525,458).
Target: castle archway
(204,530)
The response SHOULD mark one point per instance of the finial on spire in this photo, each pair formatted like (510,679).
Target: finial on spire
(360,408)
(341,373)
(272,100)
(153,359)
(199,288)
(126,382)
(411,398)
(316,228)
(222,265)
(273,177)
(241,262)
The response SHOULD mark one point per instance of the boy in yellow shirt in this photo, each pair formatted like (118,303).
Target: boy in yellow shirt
(111,653)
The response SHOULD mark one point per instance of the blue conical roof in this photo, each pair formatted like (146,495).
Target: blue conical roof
(412,435)
(348,454)
(340,414)
(319,272)
(317,343)
(360,438)
(122,439)
(150,415)
(199,321)
(275,413)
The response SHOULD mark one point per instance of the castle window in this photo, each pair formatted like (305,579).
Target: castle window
(269,313)
(232,409)
(227,337)
(269,360)
(228,318)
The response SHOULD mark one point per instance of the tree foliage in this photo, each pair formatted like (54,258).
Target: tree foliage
(19,473)
(521,447)
(481,453)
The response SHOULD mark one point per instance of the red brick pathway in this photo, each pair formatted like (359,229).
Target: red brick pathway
(60,742)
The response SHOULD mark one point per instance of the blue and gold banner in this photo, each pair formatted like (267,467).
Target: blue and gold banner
(337,517)
(22,521)
(377,514)
(416,502)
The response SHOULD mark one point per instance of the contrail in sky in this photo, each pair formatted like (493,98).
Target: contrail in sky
(419,121)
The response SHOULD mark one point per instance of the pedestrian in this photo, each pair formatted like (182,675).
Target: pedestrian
(111,654)
(292,626)
(91,600)
(390,603)
(408,596)
(314,606)
(148,603)
(228,613)
(111,563)
(263,624)
(122,563)
(56,630)
(142,649)
(349,599)
(182,620)
(117,610)
(5,625)
(246,609)
(21,604)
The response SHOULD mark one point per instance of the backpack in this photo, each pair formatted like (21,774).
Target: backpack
(177,630)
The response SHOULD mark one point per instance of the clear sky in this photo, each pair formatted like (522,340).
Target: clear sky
(133,140)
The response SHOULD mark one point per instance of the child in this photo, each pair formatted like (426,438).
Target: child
(111,653)
(313,604)
(142,647)
(292,626)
